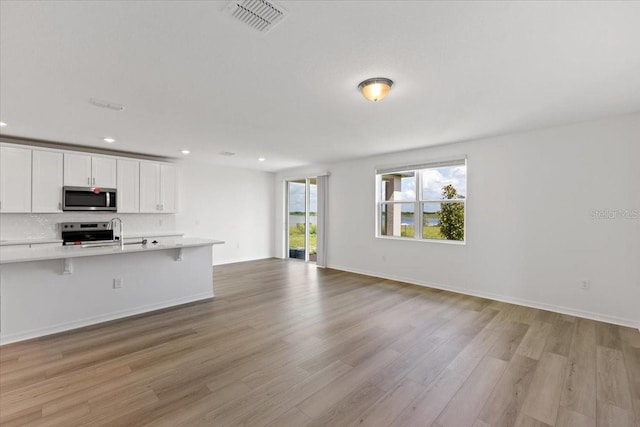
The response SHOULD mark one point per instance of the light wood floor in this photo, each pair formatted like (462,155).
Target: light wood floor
(286,344)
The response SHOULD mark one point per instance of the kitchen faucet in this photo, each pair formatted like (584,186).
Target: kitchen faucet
(121,229)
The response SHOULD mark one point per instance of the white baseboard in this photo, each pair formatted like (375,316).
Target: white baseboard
(503,298)
(236,260)
(67,326)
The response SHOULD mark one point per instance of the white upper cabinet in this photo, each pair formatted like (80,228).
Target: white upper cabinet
(77,170)
(15,179)
(128,195)
(158,188)
(103,172)
(46,196)
(83,170)
(149,187)
(32,179)
(169,187)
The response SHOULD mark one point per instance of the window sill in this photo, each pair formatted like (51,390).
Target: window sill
(411,239)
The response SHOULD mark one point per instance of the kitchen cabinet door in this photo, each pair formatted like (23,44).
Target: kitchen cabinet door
(15,179)
(47,172)
(77,170)
(149,187)
(103,172)
(168,186)
(128,195)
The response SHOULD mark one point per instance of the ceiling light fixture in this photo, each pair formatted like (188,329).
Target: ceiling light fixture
(261,159)
(185,151)
(375,89)
(2,124)
(109,140)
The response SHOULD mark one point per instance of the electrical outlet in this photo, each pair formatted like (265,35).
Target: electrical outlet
(117,283)
(585,285)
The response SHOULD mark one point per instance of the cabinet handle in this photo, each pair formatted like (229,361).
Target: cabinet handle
(93,181)
(59,206)
(89,181)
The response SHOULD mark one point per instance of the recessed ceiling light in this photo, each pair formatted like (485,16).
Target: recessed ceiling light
(2,124)
(109,140)
(261,159)
(185,151)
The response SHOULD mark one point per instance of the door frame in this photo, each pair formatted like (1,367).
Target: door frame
(307,215)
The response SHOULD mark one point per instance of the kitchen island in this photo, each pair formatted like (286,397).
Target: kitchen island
(45,290)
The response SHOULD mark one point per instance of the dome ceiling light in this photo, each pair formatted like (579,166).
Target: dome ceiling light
(375,89)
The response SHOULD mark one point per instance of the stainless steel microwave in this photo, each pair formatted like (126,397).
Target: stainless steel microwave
(88,199)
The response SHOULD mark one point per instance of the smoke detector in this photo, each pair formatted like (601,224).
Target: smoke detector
(227,153)
(261,15)
(106,104)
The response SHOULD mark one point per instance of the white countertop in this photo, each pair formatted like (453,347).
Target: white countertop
(128,236)
(150,235)
(29,242)
(12,255)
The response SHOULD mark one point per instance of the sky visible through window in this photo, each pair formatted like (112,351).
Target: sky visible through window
(432,182)
(296,198)
(434,179)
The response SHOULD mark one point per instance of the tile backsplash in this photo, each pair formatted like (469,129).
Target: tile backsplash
(45,226)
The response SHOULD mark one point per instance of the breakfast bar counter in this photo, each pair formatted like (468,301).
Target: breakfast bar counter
(10,255)
(45,290)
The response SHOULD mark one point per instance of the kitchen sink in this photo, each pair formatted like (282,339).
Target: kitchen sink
(109,244)
(99,245)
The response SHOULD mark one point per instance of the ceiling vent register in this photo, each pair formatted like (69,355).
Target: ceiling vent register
(261,15)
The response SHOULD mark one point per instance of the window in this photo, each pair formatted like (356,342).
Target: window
(425,202)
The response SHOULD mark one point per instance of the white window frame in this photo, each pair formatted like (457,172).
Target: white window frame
(419,202)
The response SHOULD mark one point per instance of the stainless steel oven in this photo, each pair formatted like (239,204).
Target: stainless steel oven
(89,199)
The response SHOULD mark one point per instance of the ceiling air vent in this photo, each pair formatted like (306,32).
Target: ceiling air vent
(261,15)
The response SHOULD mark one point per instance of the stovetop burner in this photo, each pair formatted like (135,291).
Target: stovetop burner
(76,233)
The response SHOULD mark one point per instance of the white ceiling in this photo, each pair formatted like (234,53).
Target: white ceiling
(191,77)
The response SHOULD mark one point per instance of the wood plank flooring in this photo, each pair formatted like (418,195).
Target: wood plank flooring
(287,344)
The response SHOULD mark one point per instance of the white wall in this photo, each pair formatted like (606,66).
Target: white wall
(230,204)
(531,236)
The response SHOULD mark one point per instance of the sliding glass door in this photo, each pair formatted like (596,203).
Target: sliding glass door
(302,209)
